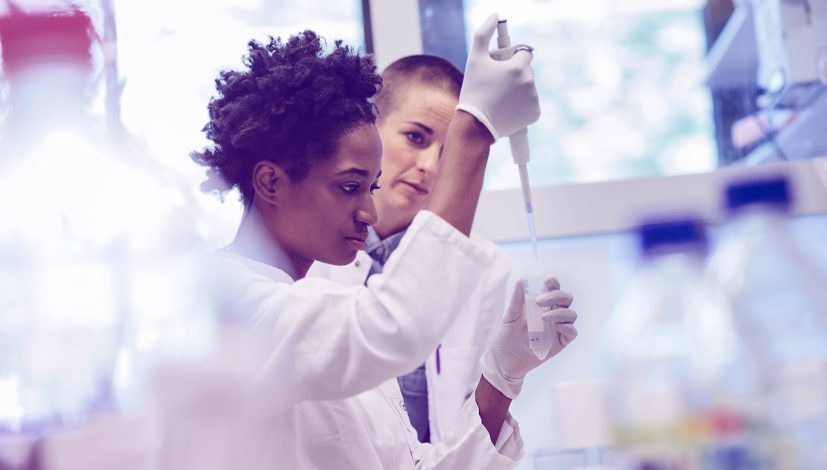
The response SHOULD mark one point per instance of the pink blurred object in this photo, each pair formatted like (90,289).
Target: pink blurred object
(108,441)
(64,36)
(15,450)
(753,128)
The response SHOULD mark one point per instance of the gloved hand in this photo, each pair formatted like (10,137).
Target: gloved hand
(508,358)
(499,93)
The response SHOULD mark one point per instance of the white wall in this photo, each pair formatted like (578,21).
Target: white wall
(396,30)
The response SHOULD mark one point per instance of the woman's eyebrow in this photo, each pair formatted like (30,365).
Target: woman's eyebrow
(356,171)
(425,128)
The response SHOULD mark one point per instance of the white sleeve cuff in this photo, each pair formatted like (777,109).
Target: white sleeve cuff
(509,441)
(467,444)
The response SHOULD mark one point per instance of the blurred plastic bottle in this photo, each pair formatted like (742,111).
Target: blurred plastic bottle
(681,393)
(58,327)
(96,247)
(780,306)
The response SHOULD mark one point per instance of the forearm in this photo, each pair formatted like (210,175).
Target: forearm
(493,406)
(459,183)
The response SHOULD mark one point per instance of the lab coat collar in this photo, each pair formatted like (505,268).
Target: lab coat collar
(258,267)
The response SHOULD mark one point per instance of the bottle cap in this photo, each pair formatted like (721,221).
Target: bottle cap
(657,234)
(773,190)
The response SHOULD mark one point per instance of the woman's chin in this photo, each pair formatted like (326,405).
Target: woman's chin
(339,259)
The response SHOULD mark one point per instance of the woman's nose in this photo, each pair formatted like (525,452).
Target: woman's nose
(428,160)
(366,213)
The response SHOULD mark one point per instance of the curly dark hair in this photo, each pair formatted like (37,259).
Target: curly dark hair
(290,105)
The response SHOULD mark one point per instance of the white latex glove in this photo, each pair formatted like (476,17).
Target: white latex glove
(508,358)
(499,93)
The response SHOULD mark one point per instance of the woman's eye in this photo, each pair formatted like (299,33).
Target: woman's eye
(374,187)
(415,138)
(349,187)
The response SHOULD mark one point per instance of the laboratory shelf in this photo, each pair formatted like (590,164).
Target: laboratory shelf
(805,137)
(732,62)
(733,58)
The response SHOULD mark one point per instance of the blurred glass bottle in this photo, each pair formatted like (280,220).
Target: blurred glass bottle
(682,394)
(780,304)
(95,242)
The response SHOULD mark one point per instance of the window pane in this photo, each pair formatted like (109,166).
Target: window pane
(621,89)
(171,52)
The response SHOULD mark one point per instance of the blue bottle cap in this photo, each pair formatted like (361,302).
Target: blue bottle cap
(773,190)
(664,235)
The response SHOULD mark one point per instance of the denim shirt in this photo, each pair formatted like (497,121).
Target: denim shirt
(413,385)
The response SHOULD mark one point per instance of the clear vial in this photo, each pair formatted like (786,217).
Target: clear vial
(539,334)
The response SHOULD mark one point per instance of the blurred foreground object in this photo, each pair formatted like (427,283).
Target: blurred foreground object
(779,300)
(98,279)
(683,394)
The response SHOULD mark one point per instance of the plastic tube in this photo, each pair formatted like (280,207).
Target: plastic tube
(539,336)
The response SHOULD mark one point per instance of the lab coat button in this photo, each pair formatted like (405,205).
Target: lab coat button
(357,263)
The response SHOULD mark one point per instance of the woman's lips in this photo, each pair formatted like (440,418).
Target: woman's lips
(416,188)
(358,243)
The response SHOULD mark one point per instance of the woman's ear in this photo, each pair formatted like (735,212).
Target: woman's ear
(268,181)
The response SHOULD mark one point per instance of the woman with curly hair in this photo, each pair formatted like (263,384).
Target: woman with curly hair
(294,133)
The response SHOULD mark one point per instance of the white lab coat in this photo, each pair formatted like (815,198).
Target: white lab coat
(463,344)
(329,356)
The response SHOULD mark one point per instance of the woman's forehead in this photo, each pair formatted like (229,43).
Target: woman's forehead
(428,104)
(359,149)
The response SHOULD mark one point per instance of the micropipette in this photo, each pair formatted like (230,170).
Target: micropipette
(518,140)
(539,335)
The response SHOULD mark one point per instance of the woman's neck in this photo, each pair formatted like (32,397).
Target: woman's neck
(388,225)
(255,241)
